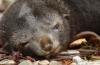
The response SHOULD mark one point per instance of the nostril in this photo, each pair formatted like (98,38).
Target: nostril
(46,43)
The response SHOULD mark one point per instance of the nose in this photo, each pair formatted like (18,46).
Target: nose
(46,43)
(50,44)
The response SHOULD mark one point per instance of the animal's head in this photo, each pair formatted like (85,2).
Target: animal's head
(35,25)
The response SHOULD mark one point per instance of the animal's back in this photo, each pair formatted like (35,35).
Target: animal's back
(84,16)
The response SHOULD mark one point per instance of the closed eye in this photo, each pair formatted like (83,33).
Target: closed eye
(56,27)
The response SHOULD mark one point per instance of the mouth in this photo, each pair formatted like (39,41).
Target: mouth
(21,45)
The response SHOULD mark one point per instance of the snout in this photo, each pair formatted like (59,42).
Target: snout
(49,44)
(45,45)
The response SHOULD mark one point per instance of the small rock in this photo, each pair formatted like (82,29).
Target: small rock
(55,63)
(96,62)
(77,59)
(44,62)
(7,62)
(26,62)
(36,63)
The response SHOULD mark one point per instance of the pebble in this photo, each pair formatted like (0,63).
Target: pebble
(44,62)
(80,61)
(55,63)
(7,62)
(36,63)
(26,62)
